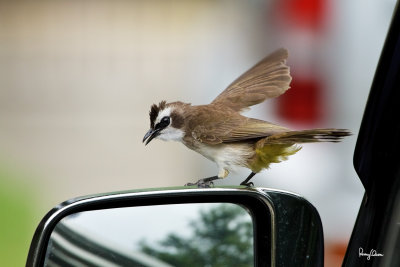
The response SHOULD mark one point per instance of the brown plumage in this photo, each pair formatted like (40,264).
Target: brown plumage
(220,133)
(268,78)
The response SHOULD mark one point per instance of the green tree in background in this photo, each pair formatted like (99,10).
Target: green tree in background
(222,236)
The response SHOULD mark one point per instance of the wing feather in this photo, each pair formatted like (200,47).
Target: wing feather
(267,79)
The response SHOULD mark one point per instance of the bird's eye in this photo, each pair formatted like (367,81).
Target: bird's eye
(165,120)
(163,123)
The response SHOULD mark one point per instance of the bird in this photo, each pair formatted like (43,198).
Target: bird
(220,132)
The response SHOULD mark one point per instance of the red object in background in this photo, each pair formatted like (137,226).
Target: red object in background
(302,102)
(309,14)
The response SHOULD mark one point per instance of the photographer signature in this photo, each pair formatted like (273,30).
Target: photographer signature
(372,253)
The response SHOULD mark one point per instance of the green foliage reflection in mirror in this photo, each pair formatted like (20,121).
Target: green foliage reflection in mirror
(221,236)
(203,234)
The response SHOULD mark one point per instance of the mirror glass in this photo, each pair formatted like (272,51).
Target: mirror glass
(199,234)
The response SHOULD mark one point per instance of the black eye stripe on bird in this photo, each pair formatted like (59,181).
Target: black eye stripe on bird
(220,133)
(163,123)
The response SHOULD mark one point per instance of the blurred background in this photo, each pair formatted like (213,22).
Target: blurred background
(77,79)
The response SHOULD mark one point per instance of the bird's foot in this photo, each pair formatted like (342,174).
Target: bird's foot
(201,184)
(249,184)
(246,182)
(204,183)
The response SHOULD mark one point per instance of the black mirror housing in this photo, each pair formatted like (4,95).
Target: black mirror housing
(287,228)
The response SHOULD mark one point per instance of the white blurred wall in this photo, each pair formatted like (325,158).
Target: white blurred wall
(78,79)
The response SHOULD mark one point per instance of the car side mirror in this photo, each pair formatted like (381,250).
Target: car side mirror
(180,226)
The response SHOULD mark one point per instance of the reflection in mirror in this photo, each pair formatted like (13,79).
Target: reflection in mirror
(203,234)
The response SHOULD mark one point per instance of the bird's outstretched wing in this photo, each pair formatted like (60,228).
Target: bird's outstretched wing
(268,78)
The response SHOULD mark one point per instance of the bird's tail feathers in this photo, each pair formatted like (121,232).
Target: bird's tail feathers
(308,136)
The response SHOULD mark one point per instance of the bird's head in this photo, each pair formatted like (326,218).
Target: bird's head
(166,122)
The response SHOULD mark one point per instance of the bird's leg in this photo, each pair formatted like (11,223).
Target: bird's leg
(205,182)
(246,182)
(208,182)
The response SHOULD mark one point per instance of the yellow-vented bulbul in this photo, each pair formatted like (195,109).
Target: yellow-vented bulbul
(220,133)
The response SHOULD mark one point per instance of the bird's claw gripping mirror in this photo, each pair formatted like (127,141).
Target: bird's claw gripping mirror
(249,184)
(204,183)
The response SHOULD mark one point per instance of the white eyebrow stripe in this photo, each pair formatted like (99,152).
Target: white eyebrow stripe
(162,114)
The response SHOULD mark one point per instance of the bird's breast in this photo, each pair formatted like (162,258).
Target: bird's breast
(226,155)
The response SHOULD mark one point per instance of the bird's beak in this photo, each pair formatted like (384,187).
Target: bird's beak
(150,135)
